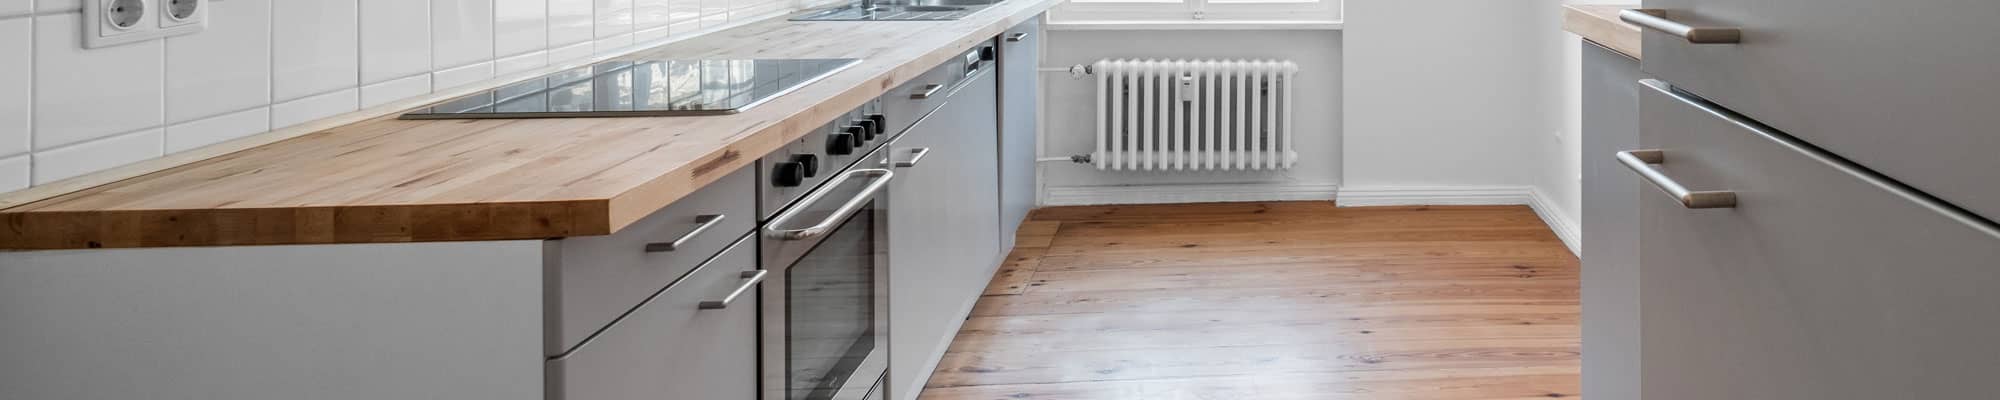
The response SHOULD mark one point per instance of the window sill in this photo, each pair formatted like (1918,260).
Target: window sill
(1215,25)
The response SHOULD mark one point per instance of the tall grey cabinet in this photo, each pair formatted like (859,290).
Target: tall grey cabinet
(1830,231)
(1020,106)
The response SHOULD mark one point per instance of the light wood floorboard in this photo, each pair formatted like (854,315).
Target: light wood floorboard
(1286,300)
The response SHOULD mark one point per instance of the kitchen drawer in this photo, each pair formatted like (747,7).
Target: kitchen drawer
(592,280)
(671,347)
(902,109)
(1824,282)
(1906,88)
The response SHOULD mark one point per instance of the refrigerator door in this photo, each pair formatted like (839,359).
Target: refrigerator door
(1823,282)
(1907,88)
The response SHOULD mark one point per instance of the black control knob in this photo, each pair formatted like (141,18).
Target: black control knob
(986,53)
(809,163)
(788,174)
(869,128)
(860,134)
(880,120)
(841,144)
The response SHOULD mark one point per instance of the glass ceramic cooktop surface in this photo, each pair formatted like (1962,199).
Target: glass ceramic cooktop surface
(641,88)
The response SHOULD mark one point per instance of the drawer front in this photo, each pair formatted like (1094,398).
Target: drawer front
(593,280)
(1824,282)
(672,348)
(902,109)
(1906,88)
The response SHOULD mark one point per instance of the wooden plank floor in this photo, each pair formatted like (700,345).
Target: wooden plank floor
(1293,300)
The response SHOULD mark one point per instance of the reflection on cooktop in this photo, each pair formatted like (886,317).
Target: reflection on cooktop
(641,88)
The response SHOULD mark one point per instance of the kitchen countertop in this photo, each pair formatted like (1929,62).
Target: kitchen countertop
(1600,24)
(387,180)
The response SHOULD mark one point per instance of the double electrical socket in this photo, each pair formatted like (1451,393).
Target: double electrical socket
(114,22)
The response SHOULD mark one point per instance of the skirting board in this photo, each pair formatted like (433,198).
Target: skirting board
(1564,227)
(1205,193)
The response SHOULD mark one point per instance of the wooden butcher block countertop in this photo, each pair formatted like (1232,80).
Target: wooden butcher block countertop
(1600,24)
(390,180)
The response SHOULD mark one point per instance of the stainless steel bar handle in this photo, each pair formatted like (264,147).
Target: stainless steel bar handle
(1016,37)
(706,221)
(1641,161)
(846,209)
(916,156)
(750,280)
(1655,20)
(928,91)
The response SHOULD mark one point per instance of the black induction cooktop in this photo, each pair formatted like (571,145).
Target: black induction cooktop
(636,88)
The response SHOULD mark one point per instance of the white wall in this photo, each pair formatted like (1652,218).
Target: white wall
(1459,98)
(268,64)
(1070,117)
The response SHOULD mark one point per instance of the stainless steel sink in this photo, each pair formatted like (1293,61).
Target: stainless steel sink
(918,10)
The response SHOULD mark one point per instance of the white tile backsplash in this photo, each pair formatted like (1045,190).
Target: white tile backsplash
(105,153)
(270,64)
(570,53)
(519,27)
(453,77)
(226,69)
(16,77)
(88,94)
(9,8)
(520,63)
(315,47)
(202,132)
(461,32)
(391,45)
(395,89)
(14,173)
(314,107)
(614,18)
(571,22)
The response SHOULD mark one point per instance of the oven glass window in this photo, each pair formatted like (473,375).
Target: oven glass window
(830,318)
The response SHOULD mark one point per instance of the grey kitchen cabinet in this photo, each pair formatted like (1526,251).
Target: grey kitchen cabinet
(1825,281)
(674,346)
(944,230)
(595,279)
(1020,108)
(1611,221)
(1905,88)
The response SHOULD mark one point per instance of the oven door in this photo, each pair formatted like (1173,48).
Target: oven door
(826,307)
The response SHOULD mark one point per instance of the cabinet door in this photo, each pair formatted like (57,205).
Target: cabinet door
(1020,83)
(1825,282)
(944,232)
(974,111)
(922,252)
(1611,219)
(1906,88)
(672,348)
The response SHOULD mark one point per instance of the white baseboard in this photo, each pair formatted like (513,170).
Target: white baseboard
(1564,228)
(1199,193)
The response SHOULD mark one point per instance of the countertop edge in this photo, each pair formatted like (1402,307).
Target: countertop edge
(1599,24)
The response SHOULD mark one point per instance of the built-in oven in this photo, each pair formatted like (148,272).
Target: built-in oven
(825,331)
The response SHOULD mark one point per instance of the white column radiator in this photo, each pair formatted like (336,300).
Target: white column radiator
(1194,115)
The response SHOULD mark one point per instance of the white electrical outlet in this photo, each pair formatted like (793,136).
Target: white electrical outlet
(115,22)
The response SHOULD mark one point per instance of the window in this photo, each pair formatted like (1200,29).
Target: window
(1083,11)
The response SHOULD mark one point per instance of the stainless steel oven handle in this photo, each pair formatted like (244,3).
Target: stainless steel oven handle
(750,280)
(881,180)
